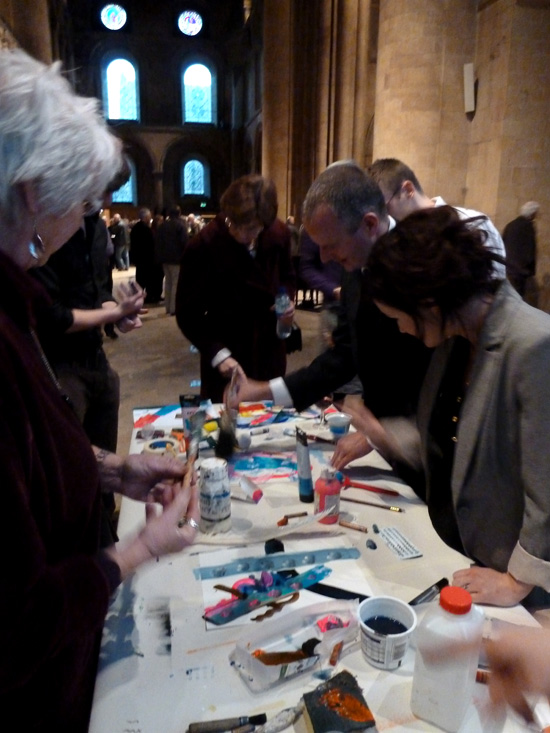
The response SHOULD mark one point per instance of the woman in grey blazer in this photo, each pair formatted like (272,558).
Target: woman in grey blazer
(484,411)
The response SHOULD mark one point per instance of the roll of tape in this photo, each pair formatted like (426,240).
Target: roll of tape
(161,446)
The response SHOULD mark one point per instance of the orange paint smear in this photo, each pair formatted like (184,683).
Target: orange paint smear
(347,706)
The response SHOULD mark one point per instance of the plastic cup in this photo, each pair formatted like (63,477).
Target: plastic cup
(338,423)
(385,650)
(147,431)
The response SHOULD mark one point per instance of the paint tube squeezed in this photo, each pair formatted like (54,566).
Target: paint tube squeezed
(305,482)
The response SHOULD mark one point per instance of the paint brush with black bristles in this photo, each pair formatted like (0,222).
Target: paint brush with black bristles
(227,436)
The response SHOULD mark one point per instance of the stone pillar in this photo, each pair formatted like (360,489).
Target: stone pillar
(31,27)
(420,119)
(277,102)
(333,86)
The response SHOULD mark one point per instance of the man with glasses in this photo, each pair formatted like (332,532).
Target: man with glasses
(404,195)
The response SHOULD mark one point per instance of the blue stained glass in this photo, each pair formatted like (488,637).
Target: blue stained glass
(193,178)
(121,90)
(190,23)
(197,82)
(113,17)
(124,193)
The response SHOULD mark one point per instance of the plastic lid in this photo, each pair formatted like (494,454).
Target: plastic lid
(329,473)
(455,600)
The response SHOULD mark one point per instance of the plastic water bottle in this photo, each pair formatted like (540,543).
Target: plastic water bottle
(448,640)
(282,304)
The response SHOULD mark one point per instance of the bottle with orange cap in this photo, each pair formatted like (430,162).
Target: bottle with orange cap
(448,640)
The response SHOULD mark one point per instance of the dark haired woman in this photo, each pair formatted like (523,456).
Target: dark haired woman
(229,277)
(484,411)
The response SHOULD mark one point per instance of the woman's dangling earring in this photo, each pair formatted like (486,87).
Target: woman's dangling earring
(36,246)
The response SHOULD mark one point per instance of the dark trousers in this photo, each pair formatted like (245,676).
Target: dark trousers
(94,392)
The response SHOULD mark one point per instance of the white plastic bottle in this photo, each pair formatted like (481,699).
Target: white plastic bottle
(282,304)
(448,640)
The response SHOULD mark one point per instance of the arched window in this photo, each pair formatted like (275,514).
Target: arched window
(127,193)
(198,94)
(195,178)
(120,89)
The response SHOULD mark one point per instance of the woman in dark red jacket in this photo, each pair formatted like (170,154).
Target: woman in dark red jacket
(56,153)
(229,277)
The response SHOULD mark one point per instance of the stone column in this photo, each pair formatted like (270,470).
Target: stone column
(277,102)
(31,27)
(422,48)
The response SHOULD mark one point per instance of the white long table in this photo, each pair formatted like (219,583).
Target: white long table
(161,668)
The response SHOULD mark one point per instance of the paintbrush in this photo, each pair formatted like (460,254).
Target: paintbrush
(227,436)
(196,421)
(372,503)
(347,483)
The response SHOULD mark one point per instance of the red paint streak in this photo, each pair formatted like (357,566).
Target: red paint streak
(347,706)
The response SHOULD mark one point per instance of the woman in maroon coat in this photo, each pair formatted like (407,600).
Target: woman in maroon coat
(55,154)
(229,277)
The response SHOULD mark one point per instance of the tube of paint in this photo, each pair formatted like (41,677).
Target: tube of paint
(305,482)
(246,490)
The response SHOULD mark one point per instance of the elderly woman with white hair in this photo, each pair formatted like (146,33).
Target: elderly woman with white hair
(57,157)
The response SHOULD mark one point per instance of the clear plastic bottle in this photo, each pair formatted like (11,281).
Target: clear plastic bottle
(282,304)
(448,640)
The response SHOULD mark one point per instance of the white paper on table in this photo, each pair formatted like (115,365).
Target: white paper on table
(345,573)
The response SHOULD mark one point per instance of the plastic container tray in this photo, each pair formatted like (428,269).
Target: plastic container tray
(288,634)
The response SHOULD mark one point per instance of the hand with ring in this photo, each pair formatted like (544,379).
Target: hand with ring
(172,530)
(491,586)
(187,520)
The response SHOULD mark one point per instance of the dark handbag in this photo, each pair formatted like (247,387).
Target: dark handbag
(294,341)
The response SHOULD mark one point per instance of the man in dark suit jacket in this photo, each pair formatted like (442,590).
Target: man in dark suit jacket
(345,213)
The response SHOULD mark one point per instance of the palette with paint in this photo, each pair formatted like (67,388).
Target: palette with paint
(312,639)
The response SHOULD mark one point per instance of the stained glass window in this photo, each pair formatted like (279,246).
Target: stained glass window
(190,23)
(193,177)
(197,94)
(127,193)
(113,17)
(120,93)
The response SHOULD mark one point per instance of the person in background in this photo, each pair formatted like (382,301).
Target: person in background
(119,235)
(76,278)
(230,275)
(404,195)
(323,276)
(193,225)
(57,583)
(149,273)
(171,240)
(484,408)
(520,239)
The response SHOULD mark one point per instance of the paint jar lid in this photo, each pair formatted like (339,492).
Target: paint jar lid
(455,600)
(213,469)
